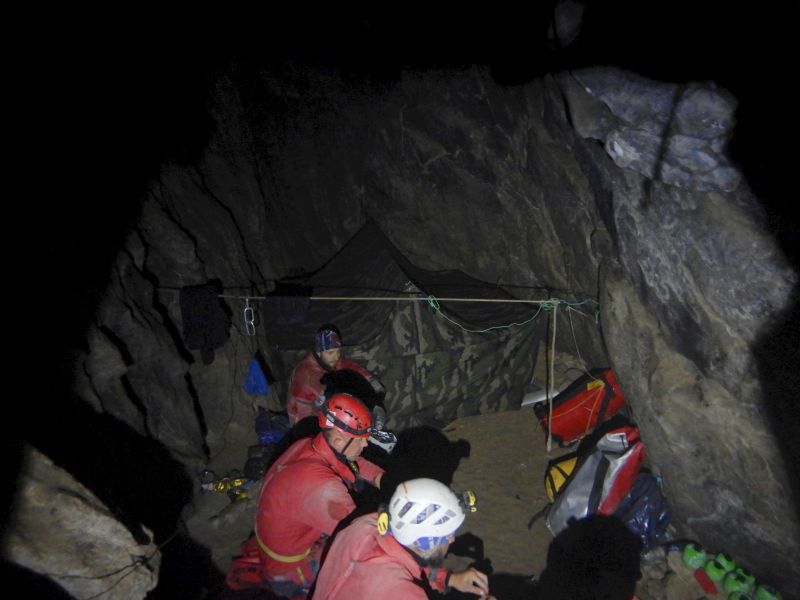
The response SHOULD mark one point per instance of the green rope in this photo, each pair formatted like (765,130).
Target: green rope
(543,306)
(570,306)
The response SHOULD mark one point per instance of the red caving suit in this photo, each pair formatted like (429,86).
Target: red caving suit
(303,497)
(364,564)
(305,386)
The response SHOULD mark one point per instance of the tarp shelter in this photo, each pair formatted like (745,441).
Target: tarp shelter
(433,369)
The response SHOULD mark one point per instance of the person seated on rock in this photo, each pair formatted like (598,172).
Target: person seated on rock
(398,553)
(306,386)
(304,496)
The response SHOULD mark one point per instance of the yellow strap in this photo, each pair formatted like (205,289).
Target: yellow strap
(279,557)
(382,522)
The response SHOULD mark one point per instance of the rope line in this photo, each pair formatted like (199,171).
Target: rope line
(575,341)
(396,299)
(544,305)
(434,303)
(551,384)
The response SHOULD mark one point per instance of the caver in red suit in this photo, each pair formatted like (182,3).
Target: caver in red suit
(305,386)
(362,563)
(303,498)
(391,555)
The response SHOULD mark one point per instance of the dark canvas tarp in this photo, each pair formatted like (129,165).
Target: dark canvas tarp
(433,369)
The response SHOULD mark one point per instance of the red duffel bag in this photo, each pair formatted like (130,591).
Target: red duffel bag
(588,401)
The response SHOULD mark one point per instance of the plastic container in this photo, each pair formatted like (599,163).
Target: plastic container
(766,592)
(726,562)
(715,571)
(736,582)
(694,556)
(750,579)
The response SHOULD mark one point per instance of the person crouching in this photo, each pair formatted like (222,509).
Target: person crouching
(304,496)
(398,553)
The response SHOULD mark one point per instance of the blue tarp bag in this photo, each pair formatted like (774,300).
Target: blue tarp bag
(645,511)
(256,382)
(270,429)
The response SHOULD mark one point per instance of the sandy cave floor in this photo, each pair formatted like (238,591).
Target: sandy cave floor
(505,468)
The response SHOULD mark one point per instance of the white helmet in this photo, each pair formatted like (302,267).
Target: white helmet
(424,510)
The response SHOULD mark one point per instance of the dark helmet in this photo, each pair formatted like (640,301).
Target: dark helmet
(347,414)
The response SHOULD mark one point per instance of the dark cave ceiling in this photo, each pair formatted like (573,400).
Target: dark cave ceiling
(114,99)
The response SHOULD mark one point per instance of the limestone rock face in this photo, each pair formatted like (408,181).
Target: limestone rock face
(698,286)
(667,132)
(60,530)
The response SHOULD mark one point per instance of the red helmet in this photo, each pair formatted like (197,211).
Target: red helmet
(347,414)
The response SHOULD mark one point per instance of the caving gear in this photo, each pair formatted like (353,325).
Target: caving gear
(694,556)
(726,561)
(608,463)
(424,513)
(469,501)
(259,458)
(588,401)
(257,381)
(716,571)
(270,428)
(645,511)
(737,582)
(362,563)
(765,592)
(557,472)
(383,439)
(234,484)
(346,414)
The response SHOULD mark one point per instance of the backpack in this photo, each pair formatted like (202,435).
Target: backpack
(606,466)
(588,401)
(557,472)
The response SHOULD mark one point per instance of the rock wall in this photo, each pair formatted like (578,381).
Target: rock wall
(61,530)
(696,284)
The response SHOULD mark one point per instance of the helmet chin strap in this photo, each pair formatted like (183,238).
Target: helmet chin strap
(341,455)
(347,445)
